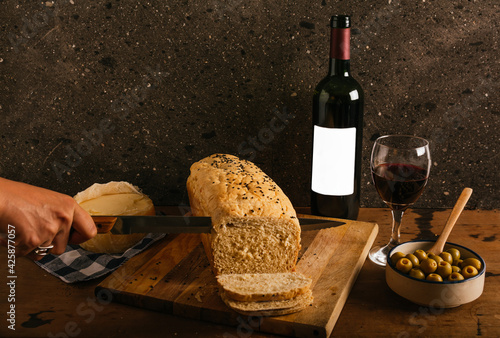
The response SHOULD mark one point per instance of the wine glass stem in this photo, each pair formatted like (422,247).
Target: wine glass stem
(397,215)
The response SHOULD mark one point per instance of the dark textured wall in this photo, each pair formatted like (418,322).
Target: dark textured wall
(93,91)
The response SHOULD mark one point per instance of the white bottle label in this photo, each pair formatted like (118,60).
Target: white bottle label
(334,153)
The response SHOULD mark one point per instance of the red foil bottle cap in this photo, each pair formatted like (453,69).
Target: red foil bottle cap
(340,48)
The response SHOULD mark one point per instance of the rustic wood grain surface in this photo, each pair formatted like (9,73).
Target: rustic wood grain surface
(175,277)
(47,307)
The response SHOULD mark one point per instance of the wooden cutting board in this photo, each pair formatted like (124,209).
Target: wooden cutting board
(174,276)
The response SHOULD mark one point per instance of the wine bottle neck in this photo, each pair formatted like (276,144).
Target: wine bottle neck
(340,67)
(340,52)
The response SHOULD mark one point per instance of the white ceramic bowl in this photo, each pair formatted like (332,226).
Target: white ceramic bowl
(434,294)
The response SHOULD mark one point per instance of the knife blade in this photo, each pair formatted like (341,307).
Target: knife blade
(181,224)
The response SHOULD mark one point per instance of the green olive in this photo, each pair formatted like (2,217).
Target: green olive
(413,259)
(455,253)
(420,254)
(472,261)
(455,268)
(469,271)
(404,265)
(396,257)
(417,273)
(444,269)
(455,276)
(428,265)
(435,257)
(447,257)
(434,277)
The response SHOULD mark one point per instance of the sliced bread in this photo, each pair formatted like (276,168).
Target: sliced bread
(270,308)
(250,287)
(253,244)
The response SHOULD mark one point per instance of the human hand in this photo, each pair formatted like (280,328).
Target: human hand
(41,217)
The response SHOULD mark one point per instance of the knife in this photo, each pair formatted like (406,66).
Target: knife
(181,224)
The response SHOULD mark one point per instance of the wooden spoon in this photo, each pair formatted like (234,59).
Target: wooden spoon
(437,248)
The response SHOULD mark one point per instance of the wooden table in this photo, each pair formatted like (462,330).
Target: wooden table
(47,307)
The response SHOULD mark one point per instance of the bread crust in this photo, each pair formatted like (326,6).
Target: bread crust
(223,187)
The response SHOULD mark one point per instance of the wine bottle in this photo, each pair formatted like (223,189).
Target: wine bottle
(337,132)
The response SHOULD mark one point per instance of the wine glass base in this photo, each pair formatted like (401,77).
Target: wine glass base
(378,255)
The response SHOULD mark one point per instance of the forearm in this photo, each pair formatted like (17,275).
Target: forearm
(4,192)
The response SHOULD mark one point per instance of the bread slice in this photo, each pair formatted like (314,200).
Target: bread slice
(253,244)
(270,308)
(263,287)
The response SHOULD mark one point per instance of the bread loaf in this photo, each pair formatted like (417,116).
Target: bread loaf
(255,227)
(264,286)
(113,199)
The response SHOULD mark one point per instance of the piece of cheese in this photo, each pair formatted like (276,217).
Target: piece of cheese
(114,199)
(117,204)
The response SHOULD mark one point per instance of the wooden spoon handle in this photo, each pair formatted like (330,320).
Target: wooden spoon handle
(437,248)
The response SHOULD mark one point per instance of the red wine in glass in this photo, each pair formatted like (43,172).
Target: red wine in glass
(400,166)
(400,185)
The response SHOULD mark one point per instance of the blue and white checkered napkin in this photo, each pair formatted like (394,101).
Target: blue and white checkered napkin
(78,265)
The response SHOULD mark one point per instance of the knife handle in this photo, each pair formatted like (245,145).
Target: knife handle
(104,223)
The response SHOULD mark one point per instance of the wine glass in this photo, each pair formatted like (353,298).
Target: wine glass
(400,166)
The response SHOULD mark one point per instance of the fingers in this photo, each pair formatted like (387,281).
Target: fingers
(59,242)
(74,230)
(77,229)
(35,256)
(25,245)
(83,227)
(52,233)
